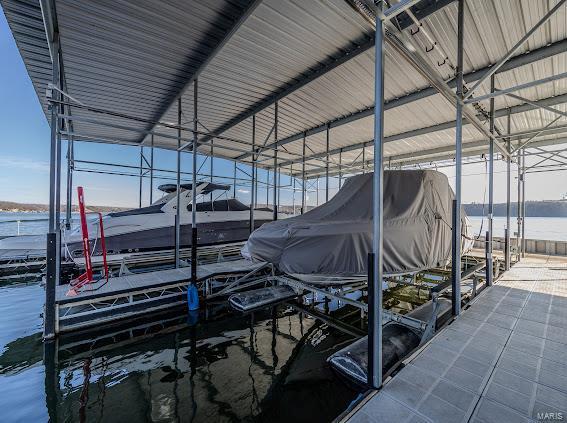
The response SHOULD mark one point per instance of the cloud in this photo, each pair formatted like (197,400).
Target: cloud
(23,164)
(243,191)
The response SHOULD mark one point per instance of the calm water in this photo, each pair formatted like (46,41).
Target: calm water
(548,228)
(267,366)
(26,223)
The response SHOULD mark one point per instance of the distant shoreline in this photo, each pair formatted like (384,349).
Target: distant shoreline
(557,208)
(13,207)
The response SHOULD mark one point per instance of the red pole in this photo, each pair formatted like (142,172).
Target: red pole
(85,233)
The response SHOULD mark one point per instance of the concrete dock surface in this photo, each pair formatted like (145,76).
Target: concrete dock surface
(503,360)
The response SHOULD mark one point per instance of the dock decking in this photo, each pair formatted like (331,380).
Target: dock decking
(155,279)
(502,360)
(125,296)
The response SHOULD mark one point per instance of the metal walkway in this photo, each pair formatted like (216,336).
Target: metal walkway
(502,360)
(130,295)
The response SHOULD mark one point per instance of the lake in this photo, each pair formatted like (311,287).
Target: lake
(265,366)
(545,228)
(550,228)
(268,365)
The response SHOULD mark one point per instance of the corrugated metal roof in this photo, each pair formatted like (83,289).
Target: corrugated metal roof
(136,57)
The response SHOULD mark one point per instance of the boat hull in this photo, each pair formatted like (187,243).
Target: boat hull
(210,233)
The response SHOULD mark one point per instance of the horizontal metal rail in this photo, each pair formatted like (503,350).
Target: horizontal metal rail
(388,316)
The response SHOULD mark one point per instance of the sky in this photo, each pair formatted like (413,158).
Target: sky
(24,157)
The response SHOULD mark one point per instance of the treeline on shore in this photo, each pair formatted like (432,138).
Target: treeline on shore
(10,206)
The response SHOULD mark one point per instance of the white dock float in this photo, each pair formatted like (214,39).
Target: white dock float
(502,360)
(129,295)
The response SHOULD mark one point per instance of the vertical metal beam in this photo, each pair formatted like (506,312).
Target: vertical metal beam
(489,241)
(456,233)
(375,258)
(327,167)
(234,181)
(52,273)
(194,235)
(58,170)
(70,164)
(267,188)
(317,194)
(508,192)
(141,176)
(363,160)
(178,187)
(519,205)
(340,168)
(58,184)
(152,169)
(303,177)
(294,179)
(276,161)
(253,176)
(212,166)
(524,216)
(255,187)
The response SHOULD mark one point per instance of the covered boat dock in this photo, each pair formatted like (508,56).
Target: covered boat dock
(314,90)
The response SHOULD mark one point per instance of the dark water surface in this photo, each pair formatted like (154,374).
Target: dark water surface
(219,366)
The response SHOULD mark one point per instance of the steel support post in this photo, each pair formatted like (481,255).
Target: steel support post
(340,168)
(275,161)
(303,178)
(178,187)
(69,206)
(327,167)
(253,176)
(255,187)
(267,188)
(58,185)
(60,125)
(523,202)
(141,176)
(508,192)
(519,206)
(234,181)
(317,193)
(456,233)
(52,271)
(152,170)
(293,191)
(213,167)
(363,160)
(489,241)
(194,235)
(375,258)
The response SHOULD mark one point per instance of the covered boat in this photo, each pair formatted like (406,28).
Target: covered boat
(336,237)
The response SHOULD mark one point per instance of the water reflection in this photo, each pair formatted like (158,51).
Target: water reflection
(269,365)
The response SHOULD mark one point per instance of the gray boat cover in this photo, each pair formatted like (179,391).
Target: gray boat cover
(336,237)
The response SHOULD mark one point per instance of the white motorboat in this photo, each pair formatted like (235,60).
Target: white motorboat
(222,220)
